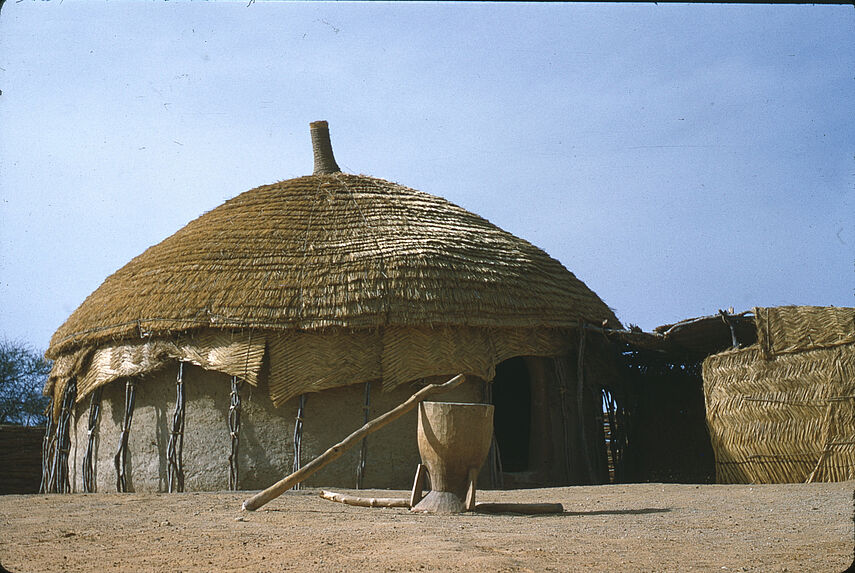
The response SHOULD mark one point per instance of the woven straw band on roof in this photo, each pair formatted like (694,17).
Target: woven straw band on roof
(303,362)
(791,419)
(787,329)
(326,251)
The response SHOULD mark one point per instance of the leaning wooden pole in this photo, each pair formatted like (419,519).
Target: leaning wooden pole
(337,450)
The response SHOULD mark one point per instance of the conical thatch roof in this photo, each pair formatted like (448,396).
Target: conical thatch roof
(332,250)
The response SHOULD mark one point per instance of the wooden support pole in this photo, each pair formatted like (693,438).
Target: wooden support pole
(523,508)
(121,457)
(298,436)
(88,457)
(365,501)
(48,444)
(363,450)
(580,403)
(234,432)
(337,450)
(470,491)
(175,446)
(418,485)
(480,507)
(62,447)
(726,318)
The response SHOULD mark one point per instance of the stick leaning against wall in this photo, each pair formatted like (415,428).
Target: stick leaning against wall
(337,450)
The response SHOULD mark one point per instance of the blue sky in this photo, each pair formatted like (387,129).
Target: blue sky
(677,158)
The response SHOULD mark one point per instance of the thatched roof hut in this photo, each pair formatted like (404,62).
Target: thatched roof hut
(783,409)
(310,285)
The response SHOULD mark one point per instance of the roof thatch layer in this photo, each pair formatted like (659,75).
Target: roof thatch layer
(332,250)
(400,272)
(783,410)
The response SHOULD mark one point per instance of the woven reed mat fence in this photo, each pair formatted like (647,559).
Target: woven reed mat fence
(783,410)
(20,458)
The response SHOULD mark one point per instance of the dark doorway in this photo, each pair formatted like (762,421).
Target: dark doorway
(667,438)
(512,415)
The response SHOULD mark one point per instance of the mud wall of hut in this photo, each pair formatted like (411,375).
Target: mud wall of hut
(550,427)
(266,442)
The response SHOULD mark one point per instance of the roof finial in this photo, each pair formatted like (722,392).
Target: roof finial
(324,160)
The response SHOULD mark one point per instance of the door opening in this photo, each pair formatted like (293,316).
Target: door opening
(512,414)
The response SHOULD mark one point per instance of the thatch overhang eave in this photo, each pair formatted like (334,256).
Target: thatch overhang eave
(150,328)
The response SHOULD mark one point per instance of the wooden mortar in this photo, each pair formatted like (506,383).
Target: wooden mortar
(454,440)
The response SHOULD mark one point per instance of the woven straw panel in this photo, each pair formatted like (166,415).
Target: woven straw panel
(837,461)
(332,250)
(64,367)
(236,354)
(783,420)
(302,362)
(411,353)
(786,329)
(309,362)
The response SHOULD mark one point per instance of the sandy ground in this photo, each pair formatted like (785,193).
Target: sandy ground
(639,527)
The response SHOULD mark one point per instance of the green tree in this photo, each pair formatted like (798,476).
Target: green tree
(23,373)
